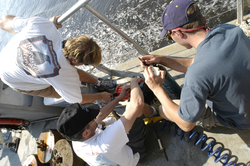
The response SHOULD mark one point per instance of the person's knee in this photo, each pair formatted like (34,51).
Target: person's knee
(163,113)
(177,101)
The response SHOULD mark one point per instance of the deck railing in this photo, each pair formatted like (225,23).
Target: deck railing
(240,11)
(84,3)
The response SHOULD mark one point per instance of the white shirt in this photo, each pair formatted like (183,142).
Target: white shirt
(33,60)
(107,148)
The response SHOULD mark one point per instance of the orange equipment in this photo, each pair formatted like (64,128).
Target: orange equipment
(14,122)
(118,90)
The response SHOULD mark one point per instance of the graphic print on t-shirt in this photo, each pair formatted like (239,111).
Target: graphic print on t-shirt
(37,57)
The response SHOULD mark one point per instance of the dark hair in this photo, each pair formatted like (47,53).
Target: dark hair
(78,136)
(196,22)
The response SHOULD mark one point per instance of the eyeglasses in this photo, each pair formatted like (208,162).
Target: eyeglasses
(168,36)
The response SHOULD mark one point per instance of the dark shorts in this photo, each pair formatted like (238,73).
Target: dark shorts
(49,92)
(137,136)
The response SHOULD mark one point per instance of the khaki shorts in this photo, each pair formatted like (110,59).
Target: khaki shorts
(209,120)
(49,92)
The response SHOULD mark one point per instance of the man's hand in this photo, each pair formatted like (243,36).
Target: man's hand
(125,91)
(54,20)
(105,111)
(136,104)
(105,96)
(150,59)
(153,81)
(136,80)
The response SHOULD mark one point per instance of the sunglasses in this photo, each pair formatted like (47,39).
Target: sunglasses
(169,32)
(168,36)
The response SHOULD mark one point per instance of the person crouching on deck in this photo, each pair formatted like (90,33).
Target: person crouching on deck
(37,62)
(215,90)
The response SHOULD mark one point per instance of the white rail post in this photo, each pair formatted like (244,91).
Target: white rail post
(240,11)
(72,10)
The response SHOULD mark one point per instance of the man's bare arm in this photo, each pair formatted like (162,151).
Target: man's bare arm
(176,64)
(6,23)
(136,105)
(170,111)
(54,20)
(105,111)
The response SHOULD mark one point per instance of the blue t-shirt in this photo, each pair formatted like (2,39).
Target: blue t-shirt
(221,74)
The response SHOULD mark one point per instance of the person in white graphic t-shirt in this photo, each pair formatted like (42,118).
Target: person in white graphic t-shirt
(37,62)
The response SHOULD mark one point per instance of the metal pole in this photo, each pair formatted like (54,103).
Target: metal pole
(104,69)
(109,71)
(72,10)
(46,119)
(137,47)
(240,11)
(80,4)
(84,3)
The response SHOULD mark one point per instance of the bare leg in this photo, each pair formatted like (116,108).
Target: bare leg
(147,110)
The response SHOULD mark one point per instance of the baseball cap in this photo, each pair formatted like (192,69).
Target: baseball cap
(175,15)
(74,118)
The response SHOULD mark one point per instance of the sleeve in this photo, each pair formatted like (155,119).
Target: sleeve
(19,23)
(71,95)
(192,105)
(115,137)
(67,84)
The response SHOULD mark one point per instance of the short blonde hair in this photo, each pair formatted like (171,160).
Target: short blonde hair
(83,50)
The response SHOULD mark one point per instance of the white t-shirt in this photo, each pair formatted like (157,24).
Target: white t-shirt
(33,60)
(107,148)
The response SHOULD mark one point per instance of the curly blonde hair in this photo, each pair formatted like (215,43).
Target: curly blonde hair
(83,50)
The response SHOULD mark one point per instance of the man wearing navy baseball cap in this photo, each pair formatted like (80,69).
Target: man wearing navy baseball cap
(215,90)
